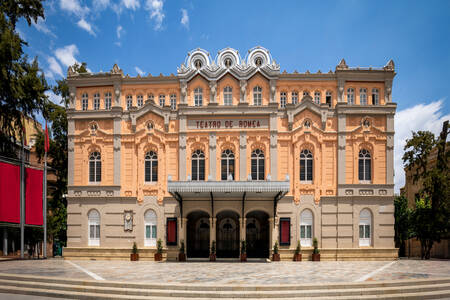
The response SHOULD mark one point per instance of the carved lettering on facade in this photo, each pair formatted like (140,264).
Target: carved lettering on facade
(228,124)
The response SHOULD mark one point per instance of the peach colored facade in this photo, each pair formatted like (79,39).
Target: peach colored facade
(239,105)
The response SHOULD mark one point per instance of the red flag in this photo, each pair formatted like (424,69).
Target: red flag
(47,143)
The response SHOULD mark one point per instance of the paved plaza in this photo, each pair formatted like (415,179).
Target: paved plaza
(231,272)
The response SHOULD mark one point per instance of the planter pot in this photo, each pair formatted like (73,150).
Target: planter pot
(181,256)
(276,257)
(212,257)
(316,257)
(134,257)
(243,257)
(298,257)
(158,256)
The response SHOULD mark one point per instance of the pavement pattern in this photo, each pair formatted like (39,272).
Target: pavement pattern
(220,273)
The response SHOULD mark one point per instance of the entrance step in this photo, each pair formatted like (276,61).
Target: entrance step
(82,289)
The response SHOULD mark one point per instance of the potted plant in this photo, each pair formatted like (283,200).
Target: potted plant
(134,256)
(243,251)
(181,254)
(316,251)
(212,254)
(275,255)
(159,250)
(297,254)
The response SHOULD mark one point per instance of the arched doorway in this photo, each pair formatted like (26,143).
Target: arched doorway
(197,244)
(257,234)
(227,232)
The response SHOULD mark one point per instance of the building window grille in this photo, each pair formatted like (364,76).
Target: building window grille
(173,101)
(162,100)
(228,95)
(365,222)
(95,167)
(306,166)
(84,101)
(198,97)
(129,102)
(151,167)
(375,97)
(198,165)
(96,101)
(282,99)
(328,98)
(150,221)
(363,96)
(140,100)
(294,97)
(94,228)
(306,228)
(317,97)
(257,164)
(227,165)
(108,101)
(257,95)
(350,96)
(364,165)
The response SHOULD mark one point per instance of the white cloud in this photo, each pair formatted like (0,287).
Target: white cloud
(419,117)
(53,97)
(73,6)
(184,18)
(66,55)
(86,26)
(54,66)
(139,71)
(131,4)
(42,27)
(156,12)
(100,4)
(119,31)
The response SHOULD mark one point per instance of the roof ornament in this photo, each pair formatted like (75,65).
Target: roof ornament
(71,72)
(342,65)
(116,70)
(390,66)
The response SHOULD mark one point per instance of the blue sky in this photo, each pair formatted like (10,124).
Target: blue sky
(154,36)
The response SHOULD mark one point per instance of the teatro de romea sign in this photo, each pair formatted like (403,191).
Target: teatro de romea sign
(243,123)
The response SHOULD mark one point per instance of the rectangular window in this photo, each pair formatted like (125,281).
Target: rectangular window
(98,171)
(361,231)
(201,171)
(148,231)
(85,104)
(147,171)
(361,169)
(309,170)
(285,231)
(154,170)
(171,239)
(367,170)
(140,100)
(151,98)
(173,102)
(328,98)
(129,102)
(162,100)
(153,231)
(92,171)
(108,101)
(224,174)
(367,231)
(294,97)
(96,101)
(302,170)
(282,99)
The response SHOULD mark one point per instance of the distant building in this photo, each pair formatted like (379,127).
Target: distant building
(232,149)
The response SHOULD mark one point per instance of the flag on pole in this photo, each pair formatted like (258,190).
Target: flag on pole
(47,143)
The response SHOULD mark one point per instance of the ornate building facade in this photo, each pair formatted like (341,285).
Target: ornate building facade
(231,149)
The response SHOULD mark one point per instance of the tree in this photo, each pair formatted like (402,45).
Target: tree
(22,84)
(402,223)
(430,218)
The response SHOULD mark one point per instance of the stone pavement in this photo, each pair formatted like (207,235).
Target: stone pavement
(231,272)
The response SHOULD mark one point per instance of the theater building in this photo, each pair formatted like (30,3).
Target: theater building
(231,149)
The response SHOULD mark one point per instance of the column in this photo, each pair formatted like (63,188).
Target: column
(243,231)
(212,231)
(5,241)
(390,149)
(182,236)
(212,156)
(243,156)
(273,147)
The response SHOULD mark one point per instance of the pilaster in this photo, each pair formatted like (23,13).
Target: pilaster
(341,88)
(70,151)
(183,92)
(243,91)
(273,146)
(213,92)
(341,147)
(212,155)
(72,97)
(117,93)
(390,149)
(117,149)
(273,90)
(243,156)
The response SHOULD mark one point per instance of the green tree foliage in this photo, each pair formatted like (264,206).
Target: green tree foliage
(402,223)
(430,219)
(22,84)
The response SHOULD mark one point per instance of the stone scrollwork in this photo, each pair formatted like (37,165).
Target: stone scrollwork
(128,220)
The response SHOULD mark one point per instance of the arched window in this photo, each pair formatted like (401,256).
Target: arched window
(306,166)
(84,101)
(140,100)
(150,228)
(198,165)
(258,165)
(364,165)
(283,99)
(151,167)
(96,101)
(317,97)
(257,95)
(328,98)
(363,96)
(129,101)
(350,96)
(198,97)
(94,228)
(294,97)
(108,100)
(95,167)
(227,95)
(365,224)
(227,164)
(375,97)
(306,228)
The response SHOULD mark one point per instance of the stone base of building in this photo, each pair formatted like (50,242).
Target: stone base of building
(368,254)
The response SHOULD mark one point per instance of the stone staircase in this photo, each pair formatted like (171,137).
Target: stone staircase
(434,288)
